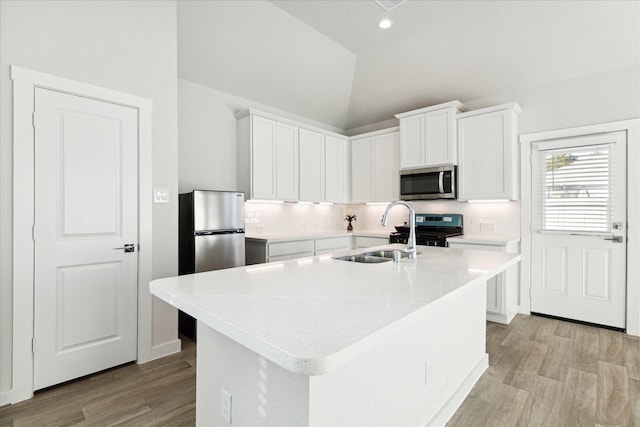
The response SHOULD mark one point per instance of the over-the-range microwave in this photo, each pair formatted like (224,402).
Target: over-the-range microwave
(438,182)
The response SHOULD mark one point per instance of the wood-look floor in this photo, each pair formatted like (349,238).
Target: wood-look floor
(543,372)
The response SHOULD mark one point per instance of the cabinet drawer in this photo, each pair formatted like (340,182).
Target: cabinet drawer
(333,243)
(367,242)
(291,256)
(477,247)
(290,248)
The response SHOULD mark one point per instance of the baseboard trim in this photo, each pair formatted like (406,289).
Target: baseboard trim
(162,350)
(451,406)
(6,397)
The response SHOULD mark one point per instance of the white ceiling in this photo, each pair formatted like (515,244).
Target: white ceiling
(328,61)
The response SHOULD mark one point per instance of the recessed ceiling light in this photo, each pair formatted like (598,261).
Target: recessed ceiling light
(385,23)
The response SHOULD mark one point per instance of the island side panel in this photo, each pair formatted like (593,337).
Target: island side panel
(262,393)
(419,376)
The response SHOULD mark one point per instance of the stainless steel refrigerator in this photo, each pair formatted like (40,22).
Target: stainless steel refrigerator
(210,237)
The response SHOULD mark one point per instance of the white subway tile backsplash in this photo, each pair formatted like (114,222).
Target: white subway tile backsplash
(272,218)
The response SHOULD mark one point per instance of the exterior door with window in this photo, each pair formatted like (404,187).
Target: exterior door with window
(86,213)
(578,250)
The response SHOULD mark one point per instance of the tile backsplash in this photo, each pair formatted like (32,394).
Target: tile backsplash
(274,218)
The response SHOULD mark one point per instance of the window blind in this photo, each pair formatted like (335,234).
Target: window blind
(572,189)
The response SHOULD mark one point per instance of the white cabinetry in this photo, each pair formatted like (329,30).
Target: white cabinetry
(428,135)
(374,166)
(367,241)
(283,160)
(323,167)
(487,153)
(336,167)
(502,290)
(312,166)
(267,158)
(332,244)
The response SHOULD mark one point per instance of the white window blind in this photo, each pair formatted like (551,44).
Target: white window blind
(573,189)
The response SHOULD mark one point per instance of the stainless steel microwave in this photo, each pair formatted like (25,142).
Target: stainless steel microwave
(438,182)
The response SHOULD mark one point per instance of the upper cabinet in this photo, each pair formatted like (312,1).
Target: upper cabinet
(281,160)
(428,135)
(267,158)
(336,164)
(375,166)
(487,152)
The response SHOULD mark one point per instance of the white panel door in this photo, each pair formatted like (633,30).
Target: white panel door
(286,162)
(85,316)
(579,232)
(311,166)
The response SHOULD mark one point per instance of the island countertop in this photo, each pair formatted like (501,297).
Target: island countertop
(315,314)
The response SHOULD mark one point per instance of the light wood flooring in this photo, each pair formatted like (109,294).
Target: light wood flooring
(543,372)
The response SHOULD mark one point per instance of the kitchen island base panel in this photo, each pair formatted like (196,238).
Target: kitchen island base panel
(418,376)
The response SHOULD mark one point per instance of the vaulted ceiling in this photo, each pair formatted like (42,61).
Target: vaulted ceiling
(329,62)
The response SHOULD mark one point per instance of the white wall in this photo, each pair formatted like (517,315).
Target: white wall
(256,50)
(207,134)
(127,46)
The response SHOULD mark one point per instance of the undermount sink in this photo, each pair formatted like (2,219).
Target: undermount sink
(367,259)
(372,257)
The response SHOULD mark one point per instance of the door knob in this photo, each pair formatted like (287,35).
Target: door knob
(129,247)
(615,239)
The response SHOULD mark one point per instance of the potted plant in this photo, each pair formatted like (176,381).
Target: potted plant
(350,217)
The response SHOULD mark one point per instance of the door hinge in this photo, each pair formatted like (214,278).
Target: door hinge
(33,232)
(33,345)
(33,119)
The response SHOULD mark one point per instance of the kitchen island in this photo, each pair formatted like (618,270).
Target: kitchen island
(320,341)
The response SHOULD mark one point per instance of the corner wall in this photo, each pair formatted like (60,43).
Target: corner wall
(126,46)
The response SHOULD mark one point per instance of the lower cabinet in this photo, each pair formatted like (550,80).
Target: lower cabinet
(261,250)
(333,244)
(502,290)
(367,242)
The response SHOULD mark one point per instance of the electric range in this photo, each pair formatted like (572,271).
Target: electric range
(431,229)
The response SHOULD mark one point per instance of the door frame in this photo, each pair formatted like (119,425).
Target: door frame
(24,84)
(632,128)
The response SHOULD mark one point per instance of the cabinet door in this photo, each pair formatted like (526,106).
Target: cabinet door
(311,153)
(440,138)
(367,242)
(485,156)
(361,173)
(412,137)
(263,159)
(335,170)
(286,162)
(386,180)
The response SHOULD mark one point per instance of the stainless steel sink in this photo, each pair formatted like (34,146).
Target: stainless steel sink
(373,257)
(386,254)
(364,258)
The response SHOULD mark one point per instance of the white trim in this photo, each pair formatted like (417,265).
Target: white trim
(24,84)
(375,133)
(632,127)
(6,397)
(451,406)
(165,349)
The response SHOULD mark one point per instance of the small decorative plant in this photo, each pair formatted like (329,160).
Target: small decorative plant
(350,217)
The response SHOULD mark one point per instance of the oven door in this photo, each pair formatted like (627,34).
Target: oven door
(428,183)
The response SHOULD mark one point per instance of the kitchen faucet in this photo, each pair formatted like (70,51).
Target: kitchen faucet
(411,242)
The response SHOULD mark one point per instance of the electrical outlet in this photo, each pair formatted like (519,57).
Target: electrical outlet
(225,405)
(487,226)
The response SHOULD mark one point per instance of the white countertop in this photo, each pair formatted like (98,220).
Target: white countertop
(289,237)
(485,239)
(312,315)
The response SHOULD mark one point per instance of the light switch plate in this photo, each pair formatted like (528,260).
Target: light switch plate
(160,195)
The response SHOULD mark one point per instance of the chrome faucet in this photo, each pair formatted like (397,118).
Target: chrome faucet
(411,243)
